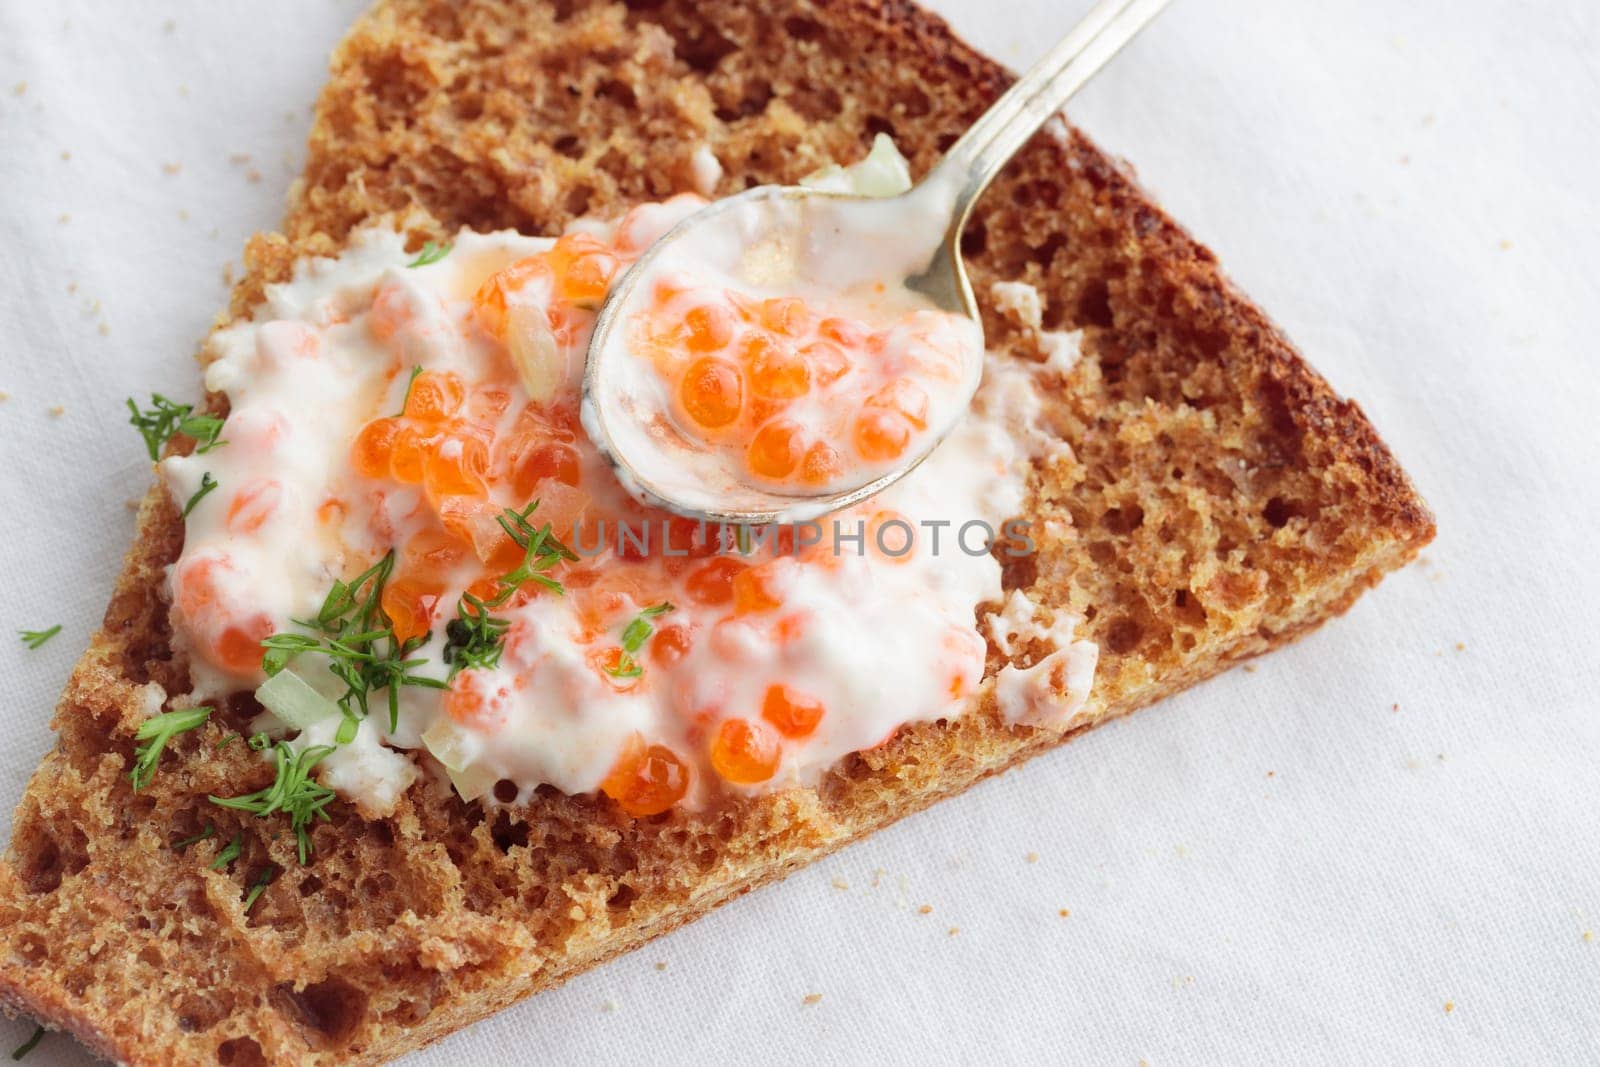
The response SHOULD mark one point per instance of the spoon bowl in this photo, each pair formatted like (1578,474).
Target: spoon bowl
(910,241)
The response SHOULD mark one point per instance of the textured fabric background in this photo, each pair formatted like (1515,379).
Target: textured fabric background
(1379,844)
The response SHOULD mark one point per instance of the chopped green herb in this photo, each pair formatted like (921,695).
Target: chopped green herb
(541,550)
(634,635)
(166,417)
(361,646)
(155,732)
(205,429)
(293,791)
(432,252)
(209,831)
(229,853)
(473,637)
(226,741)
(35,638)
(260,742)
(411,381)
(30,1044)
(207,483)
(263,880)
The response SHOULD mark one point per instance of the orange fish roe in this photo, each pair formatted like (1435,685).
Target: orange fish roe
(826,361)
(764,381)
(489,302)
(820,465)
(776,449)
(583,269)
(473,700)
(406,456)
(238,647)
(707,328)
(409,602)
(254,505)
(434,396)
(711,393)
(756,589)
(776,370)
(792,713)
(374,446)
(226,638)
(881,435)
(670,644)
(455,466)
(646,780)
(745,752)
(711,584)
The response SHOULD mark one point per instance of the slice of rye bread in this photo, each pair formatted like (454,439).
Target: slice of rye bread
(1222,502)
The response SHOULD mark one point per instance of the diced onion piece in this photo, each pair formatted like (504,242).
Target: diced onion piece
(540,361)
(292,699)
(448,746)
(884,172)
(472,783)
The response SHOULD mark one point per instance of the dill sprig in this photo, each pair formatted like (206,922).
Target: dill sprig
(362,650)
(473,639)
(209,831)
(207,483)
(165,417)
(155,732)
(259,886)
(432,252)
(405,398)
(634,635)
(30,1044)
(293,791)
(541,550)
(228,853)
(35,638)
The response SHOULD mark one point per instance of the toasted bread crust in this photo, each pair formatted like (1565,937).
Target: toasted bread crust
(1222,501)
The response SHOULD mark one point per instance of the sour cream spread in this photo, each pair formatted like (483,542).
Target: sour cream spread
(406,494)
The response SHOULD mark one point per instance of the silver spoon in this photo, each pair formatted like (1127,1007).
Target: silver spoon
(938,206)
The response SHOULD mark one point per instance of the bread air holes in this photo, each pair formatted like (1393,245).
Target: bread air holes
(199,1013)
(1123,635)
(753,102)
(701,51)
(877,124)
(802,29)
(241,1052)
(1094,305)
(622,897)
(329,1011)
(1279,511)
(32,948)
(1124,520)
(974,239)
(508,833)
(45,860)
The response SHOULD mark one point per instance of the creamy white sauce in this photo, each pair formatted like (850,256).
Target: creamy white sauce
(879,642)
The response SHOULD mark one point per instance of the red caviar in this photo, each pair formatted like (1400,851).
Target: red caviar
(745,752)
(791,712)
(646,780)
(711,392)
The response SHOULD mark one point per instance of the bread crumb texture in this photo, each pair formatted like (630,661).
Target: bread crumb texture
(1220,500)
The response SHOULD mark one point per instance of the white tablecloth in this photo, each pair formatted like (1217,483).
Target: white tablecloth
(1381,843)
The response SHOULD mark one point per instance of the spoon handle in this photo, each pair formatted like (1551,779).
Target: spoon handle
(989,143)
